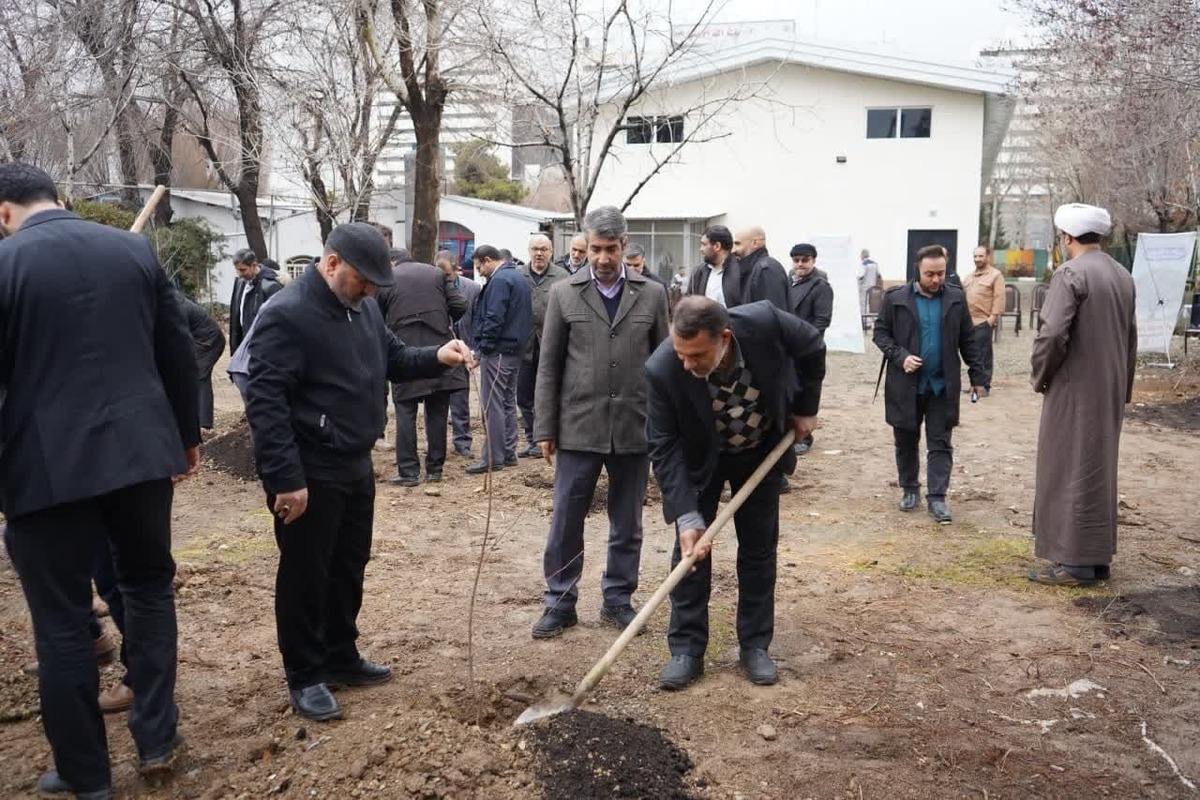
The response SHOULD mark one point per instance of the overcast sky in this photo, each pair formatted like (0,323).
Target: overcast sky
(947,30)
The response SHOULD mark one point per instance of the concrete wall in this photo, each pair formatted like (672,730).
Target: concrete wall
(773,161)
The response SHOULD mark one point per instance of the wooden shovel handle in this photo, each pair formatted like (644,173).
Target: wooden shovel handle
(144,215)
(681,570)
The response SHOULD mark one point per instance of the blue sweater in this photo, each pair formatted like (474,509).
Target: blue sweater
(503,316)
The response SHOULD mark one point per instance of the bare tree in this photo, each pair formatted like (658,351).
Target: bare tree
(587,73)
(234,40)
(336,136)
(1116,84)
(406,40)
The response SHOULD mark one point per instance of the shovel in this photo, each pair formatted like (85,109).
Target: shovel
(562,702)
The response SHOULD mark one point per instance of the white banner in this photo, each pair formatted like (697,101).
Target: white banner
(1160,271)
(836,259)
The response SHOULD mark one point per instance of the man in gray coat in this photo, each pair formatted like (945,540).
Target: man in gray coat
(601,326)
(542,275)
(420,308)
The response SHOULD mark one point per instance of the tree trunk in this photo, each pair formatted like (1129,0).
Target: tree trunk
(319,190)
(427,125)
(247,196)
(161,158)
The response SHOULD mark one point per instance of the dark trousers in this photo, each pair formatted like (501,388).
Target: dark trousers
(575,477)
(460,418)
(437,409)
(983,345)
(498,390)
(319,585)
(757,525)
(933,409)
(104,575)
(526,382)
(54,552)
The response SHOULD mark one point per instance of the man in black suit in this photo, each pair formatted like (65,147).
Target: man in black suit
(209,343)
(100,391)
(810,297)
(721,393)
(254,285)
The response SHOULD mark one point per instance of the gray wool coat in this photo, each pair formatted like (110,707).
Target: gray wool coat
(591,380)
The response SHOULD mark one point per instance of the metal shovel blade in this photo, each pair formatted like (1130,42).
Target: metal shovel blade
(558,703)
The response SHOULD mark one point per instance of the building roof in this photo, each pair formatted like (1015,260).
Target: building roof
(520,212)
(840,58)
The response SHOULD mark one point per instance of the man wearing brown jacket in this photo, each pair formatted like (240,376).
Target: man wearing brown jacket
(601,325)
(985,303)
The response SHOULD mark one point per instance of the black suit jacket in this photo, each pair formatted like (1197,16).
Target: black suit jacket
(97,372)
(812,300)
(786,355)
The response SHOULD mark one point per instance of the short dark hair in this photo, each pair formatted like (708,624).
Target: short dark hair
(505,254)
(696,314)
(932,251)
(486,252)
(635,250)
(245,256)
(25,184)
(718,234)
(1087,238)
(398,255)
(804,249)
(384,231)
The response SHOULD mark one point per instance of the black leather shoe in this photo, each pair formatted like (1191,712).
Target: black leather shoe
(480,467)
(940,512)
(364,673)
(52,785)
(680,673)
(553,623)
(908,501)
(465,452)
(161,760)
(405,480)
(786,486)
(531,451)
(759,667)
(434,477)
(510,460)
(1103,571)
(619,617)
(315,702)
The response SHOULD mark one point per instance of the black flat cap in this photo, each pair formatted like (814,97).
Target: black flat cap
(362,246)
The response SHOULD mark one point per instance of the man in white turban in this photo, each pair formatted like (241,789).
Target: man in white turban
(1083,363)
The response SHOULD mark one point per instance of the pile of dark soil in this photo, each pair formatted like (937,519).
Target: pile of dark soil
(1175,613)
(232,452)
(584,755)
(1183,416)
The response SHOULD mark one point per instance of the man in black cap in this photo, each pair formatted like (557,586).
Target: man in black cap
(810,297)
(318,368)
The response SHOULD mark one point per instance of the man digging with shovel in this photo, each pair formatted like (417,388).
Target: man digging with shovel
(722,393)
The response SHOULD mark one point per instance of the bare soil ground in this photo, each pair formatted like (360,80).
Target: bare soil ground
(916,659)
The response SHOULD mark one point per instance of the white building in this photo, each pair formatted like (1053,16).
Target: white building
(889,151)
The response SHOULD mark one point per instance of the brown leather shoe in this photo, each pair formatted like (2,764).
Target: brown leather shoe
(105,649)
(116,699)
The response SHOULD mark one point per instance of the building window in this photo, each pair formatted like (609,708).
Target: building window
(670,130)
(902,123)
(648,130)
(639,130)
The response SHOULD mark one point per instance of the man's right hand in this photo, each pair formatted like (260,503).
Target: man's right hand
(689,543)
(290,506)
(912,364)
(547,448)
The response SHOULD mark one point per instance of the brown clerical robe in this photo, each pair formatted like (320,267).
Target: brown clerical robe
(1083,362)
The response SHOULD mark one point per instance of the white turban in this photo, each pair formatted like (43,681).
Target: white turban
(1077,219)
